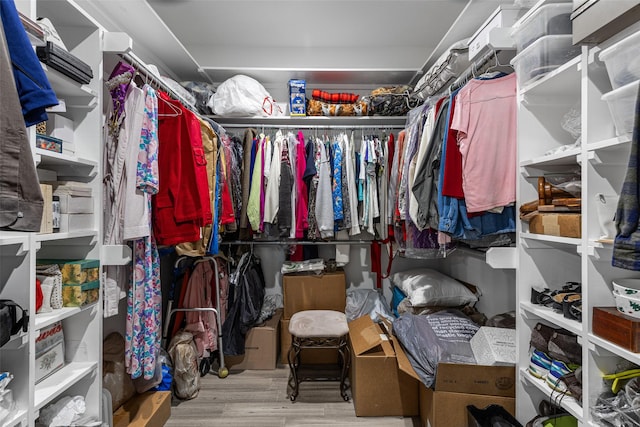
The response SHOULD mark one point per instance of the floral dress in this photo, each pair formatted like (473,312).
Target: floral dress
(144,303)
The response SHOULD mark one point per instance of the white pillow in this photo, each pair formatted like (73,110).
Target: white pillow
(427,287)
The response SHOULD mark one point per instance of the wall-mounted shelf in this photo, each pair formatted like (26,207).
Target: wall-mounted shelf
(60,381)
(568,403)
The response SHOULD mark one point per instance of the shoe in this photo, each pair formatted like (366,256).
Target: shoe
(558,370)
(539,364)
(564,346)
(573,383)
(540,336)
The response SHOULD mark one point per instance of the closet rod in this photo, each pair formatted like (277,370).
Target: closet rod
(477,68)
(142,69)
(302,126)
(297,242)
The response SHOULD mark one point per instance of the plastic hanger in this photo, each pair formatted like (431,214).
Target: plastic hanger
(176,110)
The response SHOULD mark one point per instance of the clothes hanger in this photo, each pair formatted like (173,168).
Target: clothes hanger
(177,112)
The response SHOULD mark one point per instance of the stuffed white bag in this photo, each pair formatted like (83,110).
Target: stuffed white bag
(242,96)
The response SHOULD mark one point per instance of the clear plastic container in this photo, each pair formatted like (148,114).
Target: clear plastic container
(622,105)
(544,55)
(623,61)
(549,19)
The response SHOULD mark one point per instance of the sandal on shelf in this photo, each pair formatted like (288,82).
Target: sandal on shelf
(572,308)
(562,297)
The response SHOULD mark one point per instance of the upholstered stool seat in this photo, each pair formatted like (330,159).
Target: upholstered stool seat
(318,329)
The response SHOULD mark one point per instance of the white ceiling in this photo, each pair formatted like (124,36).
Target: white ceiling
(330,43)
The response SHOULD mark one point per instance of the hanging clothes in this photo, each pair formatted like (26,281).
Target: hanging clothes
(249,137)
(29,79)
(302,219)
(210,146)
(22,201)
(144,299)
(486,120)
(182,205)
(324,201)
(627,239)
(350,168)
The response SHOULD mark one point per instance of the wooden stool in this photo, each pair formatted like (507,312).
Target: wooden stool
(318,329)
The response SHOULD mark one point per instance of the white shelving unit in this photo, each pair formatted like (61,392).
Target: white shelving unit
(19,252)
(548,261)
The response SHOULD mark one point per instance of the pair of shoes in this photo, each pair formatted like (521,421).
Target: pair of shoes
(554,299)
(556,343)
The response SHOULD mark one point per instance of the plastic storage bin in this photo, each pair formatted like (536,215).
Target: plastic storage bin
(623,61)
(549,19)
(622,105)
(542,56)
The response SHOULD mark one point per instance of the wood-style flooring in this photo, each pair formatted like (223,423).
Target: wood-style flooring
(259,399)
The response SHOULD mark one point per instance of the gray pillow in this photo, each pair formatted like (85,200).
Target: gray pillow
(428,287)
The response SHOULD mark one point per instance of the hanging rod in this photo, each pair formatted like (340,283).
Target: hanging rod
(142,69)
(272,126)
(297,242)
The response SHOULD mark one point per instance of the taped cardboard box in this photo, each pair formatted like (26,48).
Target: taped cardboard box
(261,346)
(557,224)
(149,409)
(459,385)
(308,291)
(383,383)
(308,356)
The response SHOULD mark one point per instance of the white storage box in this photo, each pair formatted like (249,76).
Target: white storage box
(60,127)
(495,31)
(623,61)
(543,56)
(49,351)
(75,222)
(75,204)
(494,346)
(622,105)
(549,19)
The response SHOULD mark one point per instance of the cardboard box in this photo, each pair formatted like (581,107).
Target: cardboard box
(308,291)
(297,98)
(460,385)
(261,347)
(623,330)
(46,225)
(49,351)
(383,383)
(494,346)
(308,356)
(557,224)
(150,409)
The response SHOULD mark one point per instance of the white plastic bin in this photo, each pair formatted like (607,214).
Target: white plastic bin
(544,55)
(622,105)
(623,61)
(549,19)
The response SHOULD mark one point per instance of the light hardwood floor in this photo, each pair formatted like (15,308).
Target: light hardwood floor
(259,399)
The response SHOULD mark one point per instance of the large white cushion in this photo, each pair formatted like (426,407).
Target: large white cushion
(428,287)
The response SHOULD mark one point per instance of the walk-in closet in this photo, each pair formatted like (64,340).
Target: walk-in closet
(308,213)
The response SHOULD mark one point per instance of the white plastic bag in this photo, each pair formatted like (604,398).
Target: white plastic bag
(242,96)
